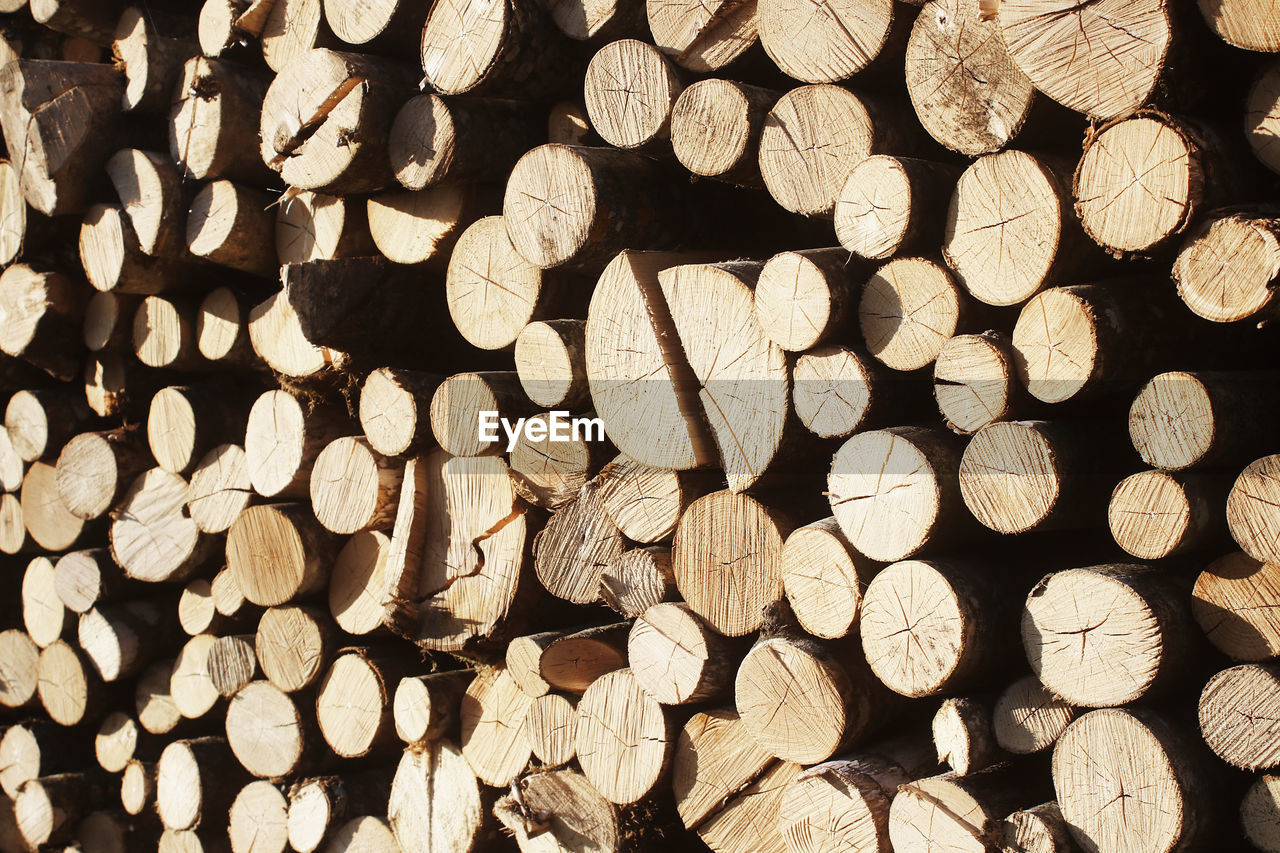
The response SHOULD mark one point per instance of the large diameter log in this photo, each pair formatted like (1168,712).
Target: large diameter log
(40,421)
(714,757)
(715,129)
(213,121)
(19,668)
(909,308)
(492,47)
(1238,709)
(630,90)
(196,781)
(572,551)
(43,615)
(278,552)
(294,645)
(823,577)
(283,437)
(624,738)
(840,39)
(94,470)
(492,717)
(975,382)
(49,524)
(1151,765)
(353,703)
(353,487)
(436,803)
(1027,718)
(1144,649)
(1252,518)
(967,92)
(226,224)
(258,819)
(266,731)
(886,206)
(1104,61)
(1231,603)
(1241,289)
(39,314)
(153,537)
(703,37)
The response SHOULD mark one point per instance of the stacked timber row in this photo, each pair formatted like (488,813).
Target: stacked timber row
(621,425)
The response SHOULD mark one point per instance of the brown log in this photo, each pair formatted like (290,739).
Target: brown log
(258,819)
(294,645)
(95,469)
(213,121)
(108,321)
(313,226)
(43,614)
(823,577)
(702,37)
(232,663)
(152,537)
(551,727)
(155,705)
(435,139)
(121,638)
(459,401)
(196,781)
(283,437)
(677,659)
(885,206)
(69,689)
(1230,602)
(507,48)
(1237,708)
(266,731)
(49,524)
(1258,813)
(40,314)
(425,707)
(1028,718)
(573,661)
(220,488)
(19,662)
(572,551)
(226,225)
(909,309)
(353,703)
(40,421)
(278,552)
(715,129)
(190,686)
(638,579)
(492,716)
(1242,289)
(624,738)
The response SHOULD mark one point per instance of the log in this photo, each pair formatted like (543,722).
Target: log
(459,402)
(964,735)
(702,38)
(837,391)
(258,819)
(561,808)
(725,560)
(823,577)
(48,809)
(313,226)
(637,580)
(226,224)
(630,90)
(220,488)
(138,787)
(551,473)
(812,119)
(567,124)
(150,191)
(1147,627)
(1240,290)
(1237,23)
(551,363)
(353,703)
(1155,766)
(152,537)
(1028,718)
(523,660)
(597,20)
(573,549)
(623,738)
(975,382)
(196,781)
(748,822)
(957,811)
(909,309)
(715,129)
(278,552)
(358,584)
(40,314)
(283,437)
(187,421)
(228,600)
(1104,62)
(1237,709)
(1229,603)
(232,663)
(492,716)
(1258,813)
(675,658)
(33,749)
(1156,514)
(196,612)
(222,330)
(839,41)
(714,759)
(43,614)
(216,29)
(13,213)
(803,299)
(153,699)
(41,421)
(121,638)
(421,227)
(1250,516)
(190,685)
(266,731)
(425,707)
(387,26)
(967,91)
(95,469)
(78,18)
(289,29)
(885,204)
(364,834)
(190,841)
(551,727)
(213,121)
(164,334)
(108,321)
(353,487)
(294,645)
(315,145)
(496,48)
(19,662)
(436,803)
(1261,114)
(152,51)
(69,690)
(116,742)
(1039,828)
(13,531)
(390,402)
(647,502)
(49,524)
(572,662)
(11,464)
(322,803)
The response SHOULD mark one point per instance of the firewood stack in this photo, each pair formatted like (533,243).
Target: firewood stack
(623,425)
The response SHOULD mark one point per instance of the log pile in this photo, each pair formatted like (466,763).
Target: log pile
(603,426)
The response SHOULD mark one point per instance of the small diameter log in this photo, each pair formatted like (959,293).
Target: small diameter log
(228,600)
(384,26)
(220,488)
(811,139)
(278,339)
(190,684)
(40,315)
(878,477)
(523,659)
(294,645)
(213,121)
(637,580)
(13,531)
(321,804)
(222,329)
(258,819)
(150,191)
(885,206)
(116,742)
(840,700)
(196,613)
(69,689)
(40,422)
(216,29)
(551,473)
(1230,603)
(910,308)
(266,731)
(119,639)
(152,537)
(43,614)
(19,663)
(805,298)
(551,727)
(1104,62)
(278,552)
(1145,649)
(326,118)
(838,41)
(226,224)
(714,758)
(725,560)
(624,738)
(572,551)
(1039,828)
(492,716)
(975,382)
(434,139)
(232,663)
(353,487)
(287,29)
(630,90)
(358,584)
(823,576)
(645,502)
(186,421)
(13,213)
(138,787)
(47,520)
(1028,718)
(164,334)
(606,200)
(196,781)
(1157,769)
(108,321)
(551,363)
(459,402)
(1262,115)
(11,464)
(967,92)
(312,227)
(1238,712)
(1260,814)
(394,410)
(353,704)
(49,809)
(964,735)
(959,812)
(1226,268)
(715,129)
(1010,229)
(837,391)
(34,749)
(1252,518)
(84,579)
(1156,514)
(572,662)
(283,437)
(153,699)
(418,227)
(425,707)
(436,803)
(702,37)
(95,469)
(675,658)
(152,60)
(364,834)
(506,47)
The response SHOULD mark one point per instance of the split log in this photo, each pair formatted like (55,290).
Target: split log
(69,690)
(152,52)
(220,488)
(957,811)
(153,699)
(552,473)
(213,121)
(749,821)
(1039,828)
(294,645)
(839,40)
(1140,756)
(675,658)
(964,735)
(886,205)
(1156,514)
(436,803)
(164,334)
(19,663)
(1105,61)
(805,298)
(138,787)
(647,502)
(1147,627)
(266,731)
(1028,718)
(108,321)
(353,703)
(1259,814)
(232,663)
(226,225)
(40,316)
(1251,516)
(812,138)
(313,226)
(49,809)
(95,469)
(152,537)
(715,129)
(388,26)
(288,29)
(353,487)
(975,382)
(283,437)
(551,363)
(498,47)
(1230,603)
(623,738)
(425,707)
(1010,229)
(1262,115)
(630,91)
(120,638)
(571,552)
(196,781)
(326,118)
(492,716)
(637,580)
(909,309)
(1239,289)
(823,577)
(725,560)
(278,552)
(190,685)
(551,727)
(967,91)
(459,402)
(715,758)
(49,524)
(150,191)
(41,421)
(358,584)
(1238,709)
(43,614)
(573,661)
(879,477)
(702,37)
(258,819)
